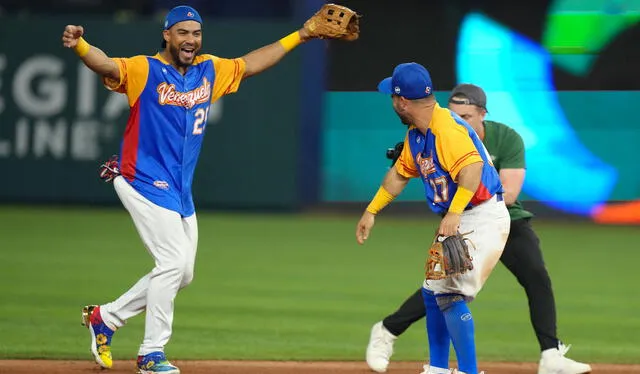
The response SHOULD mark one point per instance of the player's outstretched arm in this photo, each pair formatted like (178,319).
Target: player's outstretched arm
(263,58)
(332,21)
(92,56)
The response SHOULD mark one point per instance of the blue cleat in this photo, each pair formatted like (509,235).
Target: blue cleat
(155,362)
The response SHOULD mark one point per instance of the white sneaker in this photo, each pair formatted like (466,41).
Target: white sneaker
(434,370)
(380,348)
(554,362)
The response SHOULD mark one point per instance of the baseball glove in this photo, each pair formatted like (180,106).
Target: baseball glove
(448,258)
(109,169)
(334,22)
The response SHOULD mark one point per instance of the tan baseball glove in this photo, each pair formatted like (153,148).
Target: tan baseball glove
(334,22)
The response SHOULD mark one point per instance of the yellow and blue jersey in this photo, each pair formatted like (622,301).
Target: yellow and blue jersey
(167,121)
(449,145)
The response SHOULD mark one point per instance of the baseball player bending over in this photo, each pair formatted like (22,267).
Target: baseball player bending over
(460,184)
(522,254)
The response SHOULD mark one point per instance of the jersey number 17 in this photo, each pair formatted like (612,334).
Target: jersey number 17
(440,188)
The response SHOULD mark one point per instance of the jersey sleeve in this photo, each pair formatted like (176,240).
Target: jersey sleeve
(456,149)
(405,165)
(512,152)
(229,73)
(134,72)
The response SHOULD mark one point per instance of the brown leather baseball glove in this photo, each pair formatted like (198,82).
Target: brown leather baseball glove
(448,258)
(334,22)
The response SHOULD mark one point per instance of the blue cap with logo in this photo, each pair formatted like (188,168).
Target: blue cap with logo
(179,14)
(409,80)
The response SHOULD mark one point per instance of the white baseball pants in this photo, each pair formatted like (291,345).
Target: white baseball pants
(172,242)
(488,227)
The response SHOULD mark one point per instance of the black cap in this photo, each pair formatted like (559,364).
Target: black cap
(469,94)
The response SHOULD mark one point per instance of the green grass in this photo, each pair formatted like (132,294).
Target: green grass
(299,287)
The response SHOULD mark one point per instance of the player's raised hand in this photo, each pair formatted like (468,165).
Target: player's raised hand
(364,226)
(71,35)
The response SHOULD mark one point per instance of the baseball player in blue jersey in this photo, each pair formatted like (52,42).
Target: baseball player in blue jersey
(169,95)
(461,185)
(522,254)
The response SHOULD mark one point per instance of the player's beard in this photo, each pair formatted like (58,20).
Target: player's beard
(179,59)
(403,118)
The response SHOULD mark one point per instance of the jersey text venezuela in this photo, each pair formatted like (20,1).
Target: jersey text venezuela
(167,120)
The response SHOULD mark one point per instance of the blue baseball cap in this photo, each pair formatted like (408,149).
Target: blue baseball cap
(409,80)
(179,14)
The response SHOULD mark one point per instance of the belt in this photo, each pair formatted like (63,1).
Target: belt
(498,196)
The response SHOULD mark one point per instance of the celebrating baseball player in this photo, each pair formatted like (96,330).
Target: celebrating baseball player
(169,95)
(522,254)
(461,184)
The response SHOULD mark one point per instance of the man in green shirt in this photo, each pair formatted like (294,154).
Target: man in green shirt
(522,254)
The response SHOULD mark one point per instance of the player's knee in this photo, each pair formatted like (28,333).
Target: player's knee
(188,271)
(446,301)
(187,277)
(173,268)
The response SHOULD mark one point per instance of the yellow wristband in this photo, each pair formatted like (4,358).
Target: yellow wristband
(291,41)
(380,200)
(82,48)
(460,200)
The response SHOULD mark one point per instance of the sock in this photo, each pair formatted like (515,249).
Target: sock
(460,326)
(439,339)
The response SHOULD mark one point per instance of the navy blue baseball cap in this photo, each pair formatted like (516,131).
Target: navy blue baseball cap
(409,80)
(179,14)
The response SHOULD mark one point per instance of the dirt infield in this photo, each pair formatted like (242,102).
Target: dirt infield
(273,367)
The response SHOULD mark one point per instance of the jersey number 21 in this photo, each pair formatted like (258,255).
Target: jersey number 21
(201,120)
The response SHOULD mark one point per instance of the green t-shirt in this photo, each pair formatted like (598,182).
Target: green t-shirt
(507,152)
